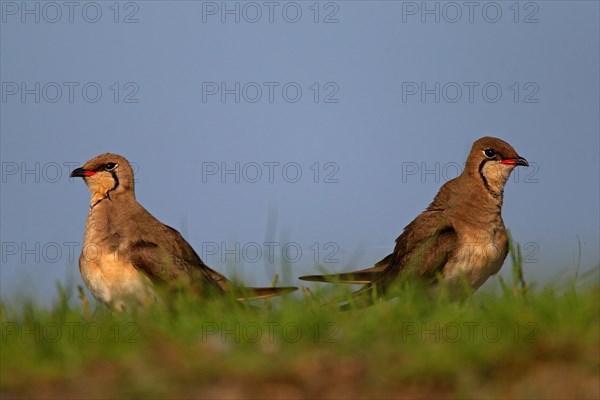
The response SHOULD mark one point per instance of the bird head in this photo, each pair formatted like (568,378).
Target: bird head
(105,175)
(492,160)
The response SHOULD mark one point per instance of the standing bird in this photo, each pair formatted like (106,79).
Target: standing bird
(127,252)
(459,239)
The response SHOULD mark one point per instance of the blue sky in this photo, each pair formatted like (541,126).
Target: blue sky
(309,132)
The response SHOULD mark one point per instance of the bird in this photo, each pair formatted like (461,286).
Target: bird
(458,242)
(128,255)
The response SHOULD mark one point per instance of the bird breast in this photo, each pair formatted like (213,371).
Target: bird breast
(114,281)
(477,258)
(107,272)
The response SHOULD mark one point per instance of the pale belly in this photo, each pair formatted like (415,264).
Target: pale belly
(474,262)
(116,283)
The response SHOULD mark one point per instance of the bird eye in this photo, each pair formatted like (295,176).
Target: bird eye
(489,153)
(110,166)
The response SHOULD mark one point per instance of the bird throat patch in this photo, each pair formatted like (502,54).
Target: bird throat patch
(494,176)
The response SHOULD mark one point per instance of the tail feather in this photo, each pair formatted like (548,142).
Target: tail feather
(364,276)
(246,293)
(349,277)
(361,277)
(249,293)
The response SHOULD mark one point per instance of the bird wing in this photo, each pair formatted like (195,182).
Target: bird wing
(421,251)
(423,248)
(169,259)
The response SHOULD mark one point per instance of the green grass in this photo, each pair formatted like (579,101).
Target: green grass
(521,343)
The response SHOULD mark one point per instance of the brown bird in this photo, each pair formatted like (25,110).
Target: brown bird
(127,252)
(459,239)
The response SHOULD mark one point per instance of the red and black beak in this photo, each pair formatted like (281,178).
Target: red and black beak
(515,161)
(81,173)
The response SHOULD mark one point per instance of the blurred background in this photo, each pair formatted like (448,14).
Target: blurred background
(286,137)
